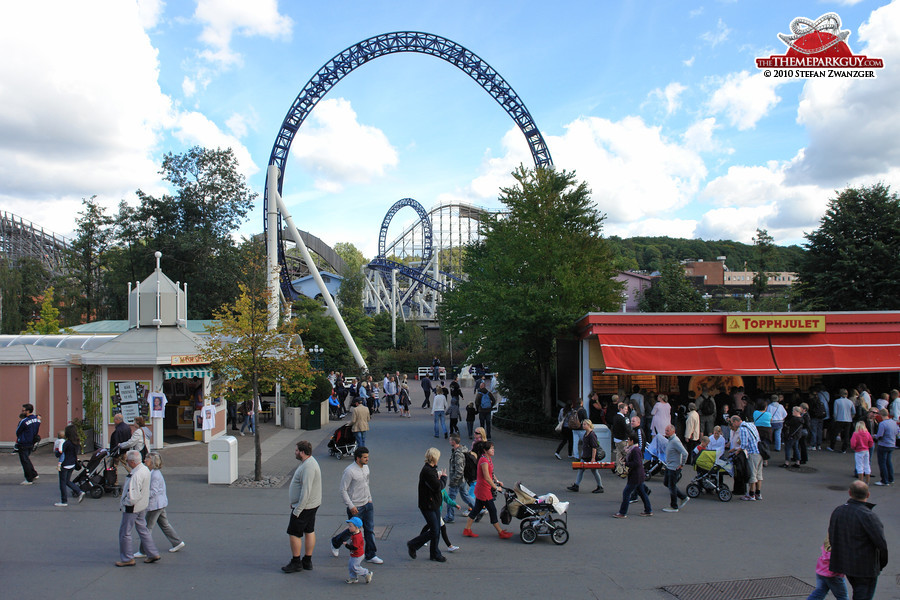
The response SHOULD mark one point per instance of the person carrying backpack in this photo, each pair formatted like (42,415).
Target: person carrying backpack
(460,475)
(484,401)
(574,420)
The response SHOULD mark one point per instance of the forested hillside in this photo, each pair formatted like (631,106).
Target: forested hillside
(648,253)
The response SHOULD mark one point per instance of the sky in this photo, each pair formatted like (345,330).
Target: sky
(658,106)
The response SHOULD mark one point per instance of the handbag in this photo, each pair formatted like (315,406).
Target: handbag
(558,428)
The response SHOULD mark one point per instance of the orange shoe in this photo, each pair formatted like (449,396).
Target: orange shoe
(468,533)
(504,535)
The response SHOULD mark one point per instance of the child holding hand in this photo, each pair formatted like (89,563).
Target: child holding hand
(356,546)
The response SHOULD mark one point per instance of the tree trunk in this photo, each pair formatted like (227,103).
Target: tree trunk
(257,445)
(546,396)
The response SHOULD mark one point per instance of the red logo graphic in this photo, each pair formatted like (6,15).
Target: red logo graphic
(819,44)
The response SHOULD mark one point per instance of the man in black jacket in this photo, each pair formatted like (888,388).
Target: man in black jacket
(122,433)
(620,432)
(431,482)
(858,546)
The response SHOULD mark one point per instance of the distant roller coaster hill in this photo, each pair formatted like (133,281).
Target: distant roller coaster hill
(21,239)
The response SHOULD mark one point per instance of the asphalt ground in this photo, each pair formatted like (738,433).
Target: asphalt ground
(236,541)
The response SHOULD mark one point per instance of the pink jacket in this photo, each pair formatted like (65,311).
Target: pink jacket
(822,565)
(861,441)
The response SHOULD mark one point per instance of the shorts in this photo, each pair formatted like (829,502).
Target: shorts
(755,462)
(863,463)
(304,523)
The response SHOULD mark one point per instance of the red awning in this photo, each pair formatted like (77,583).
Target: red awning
(695,344)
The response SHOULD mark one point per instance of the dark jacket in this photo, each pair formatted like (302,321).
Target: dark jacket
(121,434)
(858,546)
(620,428)
(430,486)
(26,430)
(634,460)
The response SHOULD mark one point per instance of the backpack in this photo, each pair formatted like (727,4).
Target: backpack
(470,470)
(708,408)
(817,410)
(572,420)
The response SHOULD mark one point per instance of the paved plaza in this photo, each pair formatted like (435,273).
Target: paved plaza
(236,540)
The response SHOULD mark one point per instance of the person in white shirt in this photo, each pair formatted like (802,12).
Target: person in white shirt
(438,409)
(134,503)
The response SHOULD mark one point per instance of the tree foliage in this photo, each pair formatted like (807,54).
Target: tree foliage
(672,292)
(48,322)
(765,248)
(246,354)
(537,268)
(853,258)
(21,288)
(87,261)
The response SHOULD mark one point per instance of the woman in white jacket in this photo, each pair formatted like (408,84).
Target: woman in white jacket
(156,510)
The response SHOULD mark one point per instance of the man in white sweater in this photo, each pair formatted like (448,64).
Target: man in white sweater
(305,496)
(135,498)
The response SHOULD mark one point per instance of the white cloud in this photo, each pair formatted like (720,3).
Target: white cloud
(337,150)
(689,62)
(670,95)
(744,98)
(222,19)
(854,125)
(677,228)
(193,128)
(633,171)
(714,38)
(240,124)
(699,137)
(149,12)
(79,121)
(188,86)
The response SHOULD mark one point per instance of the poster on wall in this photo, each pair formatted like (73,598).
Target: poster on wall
(157,401)
(130,399)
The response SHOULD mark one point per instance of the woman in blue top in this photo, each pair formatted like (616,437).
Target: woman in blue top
(67,459)
(763,421)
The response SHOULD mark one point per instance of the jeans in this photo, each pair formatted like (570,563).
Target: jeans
(630,488)
(25,459)
(470,426)
(863,587)
(672,479)
(439,418)
(465,496)
(791,450)
(577,436)
(885,466)
(594,472)
(366,513)
(484,415)
(835,585)
(129,522)
(431,533)
(776,434)
(815,432)
(841,428)
(360,438)
(65,475)
(251,421)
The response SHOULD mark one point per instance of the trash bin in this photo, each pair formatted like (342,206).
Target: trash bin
(223,460)
(310,417)
(604,438)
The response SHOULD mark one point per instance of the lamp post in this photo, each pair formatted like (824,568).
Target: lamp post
(316,359)
(748,297)
(706,298)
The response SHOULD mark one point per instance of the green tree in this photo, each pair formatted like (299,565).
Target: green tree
(537,268)
(48,322)
(351,293)
(21,288)
(192,228)
(247,354)
(764,245)
(88,260)
(672,292)
(851,262)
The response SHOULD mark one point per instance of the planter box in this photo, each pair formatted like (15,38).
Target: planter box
(291,417)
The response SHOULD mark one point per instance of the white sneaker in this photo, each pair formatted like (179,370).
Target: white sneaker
(140,555)
(369,577)
(668,509)
(60,504)
(177,548)
(452,548)
(351,580)
(26,482)
(80,497)
(685,501)
(375,560)
(335,552)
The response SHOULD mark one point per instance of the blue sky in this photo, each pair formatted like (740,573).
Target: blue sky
(657,105)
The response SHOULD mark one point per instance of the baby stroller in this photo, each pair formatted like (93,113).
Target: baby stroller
(540,515)
(99,474)
(654,456)
(342,442)
(711,469)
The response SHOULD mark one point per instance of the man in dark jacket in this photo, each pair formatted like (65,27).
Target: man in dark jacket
(26,438)
(431,482)
(858,546)
(122,433)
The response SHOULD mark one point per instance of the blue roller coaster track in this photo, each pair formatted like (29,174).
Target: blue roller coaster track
(369,49)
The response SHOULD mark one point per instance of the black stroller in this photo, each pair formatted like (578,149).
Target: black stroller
(99,476)
(342,442)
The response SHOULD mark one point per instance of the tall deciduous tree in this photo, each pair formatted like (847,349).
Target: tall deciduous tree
(853,258)
(535,271)
(672,292)
(242,350)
